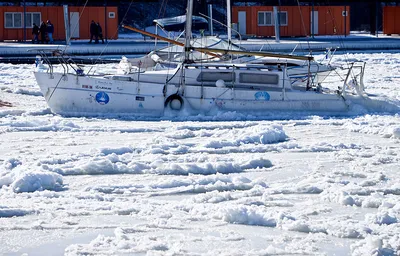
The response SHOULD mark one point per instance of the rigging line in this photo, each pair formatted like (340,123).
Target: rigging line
(163,3)
(176,72)
(341,42)
(222,24)
(304,27)
(108,42)
(237,32)
(76,25)
(55,88)
(165,8)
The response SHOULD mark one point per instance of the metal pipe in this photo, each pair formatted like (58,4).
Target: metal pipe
(67,25)
(24,21)
(276,25)
(105,21)
(345,21)
(210,24)
(188,29)
(229,20)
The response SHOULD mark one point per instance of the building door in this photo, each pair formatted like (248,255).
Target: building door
(74,24)
(314,23)
(242,22)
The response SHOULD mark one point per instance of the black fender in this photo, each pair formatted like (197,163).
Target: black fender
(174,97)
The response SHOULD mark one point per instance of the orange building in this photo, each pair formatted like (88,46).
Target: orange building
(294,20)
(391,20)
(12,22)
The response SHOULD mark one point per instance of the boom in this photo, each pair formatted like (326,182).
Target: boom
(213,51)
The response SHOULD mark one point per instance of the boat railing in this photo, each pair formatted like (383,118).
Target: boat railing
(354,81)
(47,56)
(41,57)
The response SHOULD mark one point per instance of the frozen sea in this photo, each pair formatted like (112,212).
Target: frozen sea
(225,184)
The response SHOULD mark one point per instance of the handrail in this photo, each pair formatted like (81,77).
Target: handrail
(358,84)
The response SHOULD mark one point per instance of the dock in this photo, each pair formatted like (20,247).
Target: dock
(17,52)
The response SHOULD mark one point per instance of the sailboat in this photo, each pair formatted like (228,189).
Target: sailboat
(200,87)
(299,70)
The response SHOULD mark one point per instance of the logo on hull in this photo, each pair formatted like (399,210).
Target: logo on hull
(102,98)
(262,96)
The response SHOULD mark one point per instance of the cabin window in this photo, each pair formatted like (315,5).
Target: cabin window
(271,79)
(215,76)
(267,18)
(13,20)
(33,17)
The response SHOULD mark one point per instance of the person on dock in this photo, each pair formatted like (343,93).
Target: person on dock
(43,31)
(50,31)
(100,32)
(35,33)
(93,32)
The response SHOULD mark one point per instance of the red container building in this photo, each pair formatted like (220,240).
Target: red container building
(294,20)
(12,21)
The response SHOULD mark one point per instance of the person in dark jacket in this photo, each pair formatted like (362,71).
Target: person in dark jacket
(100,32)
(35,33)
(93,32)
(43,31)
(50,31)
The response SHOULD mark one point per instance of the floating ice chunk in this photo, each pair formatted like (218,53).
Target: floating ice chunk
(373,201)
(6,212)
(118,151)
(372,245)
(249,135)
(250,215)
(382,218)
(396,132)
(31,181)
(11,163)
(257,163)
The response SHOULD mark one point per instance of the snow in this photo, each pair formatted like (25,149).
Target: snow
(229,184)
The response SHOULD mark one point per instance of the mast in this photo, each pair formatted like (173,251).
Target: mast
(188,29)
(229,20)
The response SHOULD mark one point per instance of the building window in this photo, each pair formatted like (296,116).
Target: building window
(111,15)
(283,18)
(267,19)
(13,20)
(33,17)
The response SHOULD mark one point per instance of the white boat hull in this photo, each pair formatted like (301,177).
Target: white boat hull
(74,95)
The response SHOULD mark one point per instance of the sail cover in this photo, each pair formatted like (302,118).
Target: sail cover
(178,23)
